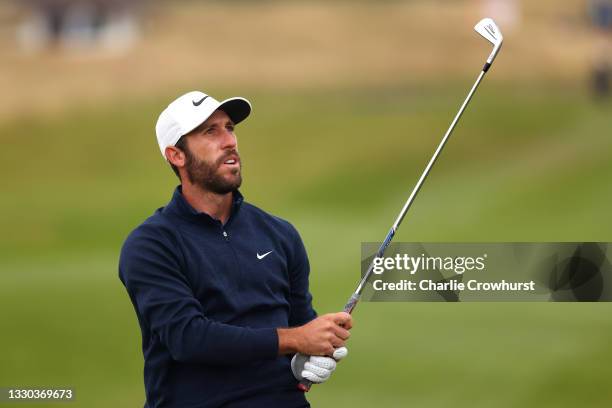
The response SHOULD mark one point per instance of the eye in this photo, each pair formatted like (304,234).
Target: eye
(230,128)
(209,131)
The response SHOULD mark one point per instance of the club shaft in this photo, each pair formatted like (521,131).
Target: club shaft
(304,385)
(354,299)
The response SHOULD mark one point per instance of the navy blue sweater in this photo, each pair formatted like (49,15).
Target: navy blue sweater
(209,298)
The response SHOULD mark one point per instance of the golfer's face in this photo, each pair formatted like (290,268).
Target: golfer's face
(215,144)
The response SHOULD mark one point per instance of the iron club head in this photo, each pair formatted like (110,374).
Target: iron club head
(489,30)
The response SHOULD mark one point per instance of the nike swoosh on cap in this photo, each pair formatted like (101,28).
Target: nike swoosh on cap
(198,103)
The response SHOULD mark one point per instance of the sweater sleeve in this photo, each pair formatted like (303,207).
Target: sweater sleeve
(299,269)
(149,267)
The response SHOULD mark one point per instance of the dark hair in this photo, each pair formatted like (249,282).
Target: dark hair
(181,144)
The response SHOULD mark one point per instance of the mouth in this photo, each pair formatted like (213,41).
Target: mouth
(232,161)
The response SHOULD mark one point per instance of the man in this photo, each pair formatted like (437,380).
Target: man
(219,286)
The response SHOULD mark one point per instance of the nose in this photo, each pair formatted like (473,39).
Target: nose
(229,140)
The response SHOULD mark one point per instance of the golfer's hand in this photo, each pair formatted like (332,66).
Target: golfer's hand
(323,335)
(316,369)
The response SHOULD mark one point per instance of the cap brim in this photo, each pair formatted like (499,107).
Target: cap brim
(238,109)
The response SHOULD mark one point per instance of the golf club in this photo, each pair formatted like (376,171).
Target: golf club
(489,30)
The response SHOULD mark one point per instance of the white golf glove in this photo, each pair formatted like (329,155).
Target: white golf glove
(316,369)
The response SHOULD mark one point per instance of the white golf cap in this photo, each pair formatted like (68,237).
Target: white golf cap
(189,111)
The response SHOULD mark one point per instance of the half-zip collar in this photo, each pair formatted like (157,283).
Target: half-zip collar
(179,206)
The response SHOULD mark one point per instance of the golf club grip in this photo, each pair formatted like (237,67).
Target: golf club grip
(304,385)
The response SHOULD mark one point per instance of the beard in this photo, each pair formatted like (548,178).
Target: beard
(208,175)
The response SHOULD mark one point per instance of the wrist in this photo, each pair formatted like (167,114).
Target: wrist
(288,340)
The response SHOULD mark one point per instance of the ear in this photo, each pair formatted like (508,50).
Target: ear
(175,156)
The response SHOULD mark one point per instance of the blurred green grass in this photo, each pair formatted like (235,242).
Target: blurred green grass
(527,163)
